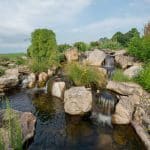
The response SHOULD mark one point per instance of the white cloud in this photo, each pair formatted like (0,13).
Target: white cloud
(107,27)
(24,15)
(21,17)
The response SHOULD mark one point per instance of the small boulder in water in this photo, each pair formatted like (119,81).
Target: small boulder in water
(78,101)
(42,79)
(29,81)
(58,89)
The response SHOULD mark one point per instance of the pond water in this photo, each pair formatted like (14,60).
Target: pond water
(56,130)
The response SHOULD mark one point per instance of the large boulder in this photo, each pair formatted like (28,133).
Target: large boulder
(72,54)
(26,119)
(120,52)
(78,101)
(58,89)
(96,58)
(124,61)
(124,88)
(133,71)
(9,80)
(124,109)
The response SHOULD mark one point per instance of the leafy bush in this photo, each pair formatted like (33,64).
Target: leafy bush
(94,44)
(63,47)
(120,77)
(20,61)
(43,64)
(42,44)
(124,39)
(140,48)
(83,75)
(2,71)
(144,77)
(109,44)
(81,46)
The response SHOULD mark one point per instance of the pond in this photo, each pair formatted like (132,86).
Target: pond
(56,130)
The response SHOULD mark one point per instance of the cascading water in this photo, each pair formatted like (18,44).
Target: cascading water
(109,65)
(104,106)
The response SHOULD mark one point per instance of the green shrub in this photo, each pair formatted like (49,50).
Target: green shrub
(140,48)
(20,61)
(81,46)
(2,71)
(109,44)
(83,75)
(43,64)
(124,39)
(43,42)
(63,47)
(144,77)
(120,77)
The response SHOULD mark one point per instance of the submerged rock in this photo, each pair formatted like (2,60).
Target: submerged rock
(58,89)
(96,58)
(78,101)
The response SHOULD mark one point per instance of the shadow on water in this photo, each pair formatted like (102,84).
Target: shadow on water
(56,130)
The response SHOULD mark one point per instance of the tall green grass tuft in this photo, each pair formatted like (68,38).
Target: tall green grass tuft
(120,77)
(84,75)
(12,126)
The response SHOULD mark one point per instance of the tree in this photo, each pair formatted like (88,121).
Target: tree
(124,39)
(81,46)
(43,42)
(63,47)
(119,37)
(147,29)
(94,44)
(140,48)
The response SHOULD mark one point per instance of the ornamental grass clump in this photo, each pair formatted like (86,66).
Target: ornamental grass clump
(84,75)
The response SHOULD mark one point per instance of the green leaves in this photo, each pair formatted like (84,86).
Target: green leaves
(140,48)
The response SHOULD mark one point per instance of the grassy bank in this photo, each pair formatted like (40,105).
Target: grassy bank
(12,55)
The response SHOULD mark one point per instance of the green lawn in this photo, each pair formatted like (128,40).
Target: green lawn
(12,55)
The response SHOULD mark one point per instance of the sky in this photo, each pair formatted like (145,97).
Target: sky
(71,20)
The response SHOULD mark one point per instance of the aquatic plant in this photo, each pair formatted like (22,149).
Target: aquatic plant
(10,133)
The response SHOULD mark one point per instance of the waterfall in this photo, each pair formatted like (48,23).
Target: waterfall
(104,106)
(109,65)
